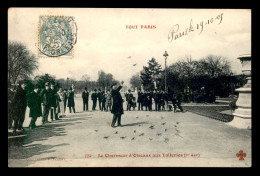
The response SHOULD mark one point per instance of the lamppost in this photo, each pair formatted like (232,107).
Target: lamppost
(165,55)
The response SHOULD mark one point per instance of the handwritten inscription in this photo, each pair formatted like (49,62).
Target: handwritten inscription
(176,33)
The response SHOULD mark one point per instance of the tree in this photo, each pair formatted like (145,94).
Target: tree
(85,78)
(61,82)
(215,66)
(185,69)
(188,77)
(21,63)
(105,80)
(135,81)
(150,74)
(41,80)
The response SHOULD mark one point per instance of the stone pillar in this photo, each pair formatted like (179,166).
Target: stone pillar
(242,115)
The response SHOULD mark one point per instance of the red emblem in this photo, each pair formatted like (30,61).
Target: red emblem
(241,155)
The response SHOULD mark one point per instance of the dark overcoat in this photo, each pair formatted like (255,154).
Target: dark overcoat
(19,103)
(46,97)
(53,98)
(34,103)
(85,96)
(140,97)
(145,99)
(94,96)
(117,107)
(71,102)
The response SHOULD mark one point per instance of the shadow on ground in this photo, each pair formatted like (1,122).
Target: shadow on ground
(134,124)
(23,147)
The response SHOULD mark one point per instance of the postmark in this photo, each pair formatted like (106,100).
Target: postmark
(57,36)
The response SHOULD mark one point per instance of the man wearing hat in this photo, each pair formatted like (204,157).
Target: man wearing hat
(71,102)
(54,102)
(46,102)
(65,99)
(140,99)
(19,106)
(85,96)
(99,97)
(117,107)
(34,103)
(94,99)
(129,98)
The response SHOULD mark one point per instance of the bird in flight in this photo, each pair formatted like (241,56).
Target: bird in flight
(152,127)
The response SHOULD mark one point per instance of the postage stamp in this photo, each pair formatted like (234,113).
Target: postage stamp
(57,36)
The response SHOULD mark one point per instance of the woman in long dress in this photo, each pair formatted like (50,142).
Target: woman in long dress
(61,95)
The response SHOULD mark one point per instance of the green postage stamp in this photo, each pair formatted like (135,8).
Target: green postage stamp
(57,36)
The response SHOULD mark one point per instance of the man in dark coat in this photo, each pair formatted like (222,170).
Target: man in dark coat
(34,103)
(129,98)
(159,100)
(149,100)
(94,99)
(99,97)
(54,103)
(85,96)
(103,99)
(117,107)
(46,102)
(155,97)
(145,100)
(71,102)
(140,99)
(11,93)
(65,99)
(19,106)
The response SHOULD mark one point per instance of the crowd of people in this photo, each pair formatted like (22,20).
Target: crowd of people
(52,103)
(144,101)
(47,102)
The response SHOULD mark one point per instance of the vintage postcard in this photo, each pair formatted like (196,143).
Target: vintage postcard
(129,87)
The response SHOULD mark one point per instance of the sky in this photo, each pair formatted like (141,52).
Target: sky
(105,40)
